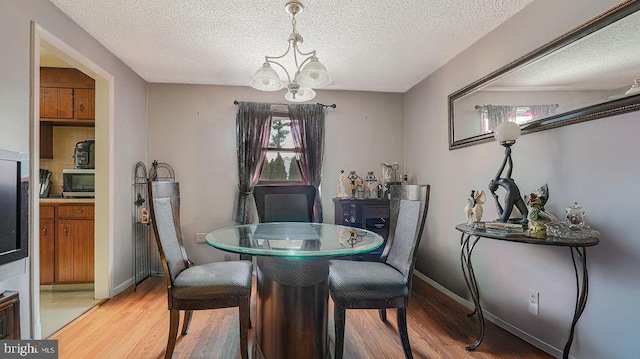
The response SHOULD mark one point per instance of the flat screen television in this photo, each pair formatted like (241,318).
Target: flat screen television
(14,209)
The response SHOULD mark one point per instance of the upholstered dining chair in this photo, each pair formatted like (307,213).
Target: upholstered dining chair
(384,284)
(286,203)
(194,287)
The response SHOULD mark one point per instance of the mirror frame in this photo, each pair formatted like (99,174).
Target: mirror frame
(605,109)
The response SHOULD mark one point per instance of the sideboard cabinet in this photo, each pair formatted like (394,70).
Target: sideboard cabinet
(369,214)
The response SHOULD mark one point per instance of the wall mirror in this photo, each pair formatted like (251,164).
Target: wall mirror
(591,72)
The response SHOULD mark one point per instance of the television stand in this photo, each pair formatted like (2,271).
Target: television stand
(9,315)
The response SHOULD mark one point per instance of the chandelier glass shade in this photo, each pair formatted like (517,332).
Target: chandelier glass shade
(266,79)
(309,72)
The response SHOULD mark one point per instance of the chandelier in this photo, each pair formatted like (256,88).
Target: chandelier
(309,72)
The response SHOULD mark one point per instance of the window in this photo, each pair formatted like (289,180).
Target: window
(280,163)
(491,115)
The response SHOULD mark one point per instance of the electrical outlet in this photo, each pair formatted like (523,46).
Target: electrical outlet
(534,299)
(200,237)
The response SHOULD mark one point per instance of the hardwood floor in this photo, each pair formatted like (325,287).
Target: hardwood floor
(135,324)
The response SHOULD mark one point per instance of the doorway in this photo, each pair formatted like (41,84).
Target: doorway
(46,43)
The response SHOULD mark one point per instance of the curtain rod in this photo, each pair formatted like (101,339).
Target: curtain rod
(235,102)
(477,107)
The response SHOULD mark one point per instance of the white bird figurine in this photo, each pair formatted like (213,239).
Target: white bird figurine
(473,210)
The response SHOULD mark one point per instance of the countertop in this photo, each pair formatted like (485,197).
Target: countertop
(65,200)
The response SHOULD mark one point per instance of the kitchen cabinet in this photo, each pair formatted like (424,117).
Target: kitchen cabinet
(370,214)
(67,106)
(67,98)
(74,250)
(67,255)
(74,243)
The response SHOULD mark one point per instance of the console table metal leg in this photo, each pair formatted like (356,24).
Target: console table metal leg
(582,292)
(466,248)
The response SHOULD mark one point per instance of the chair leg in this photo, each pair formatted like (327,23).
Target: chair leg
(186,321)
(245,320)
(383,314)
(174,321)
(404,334)
(339,321)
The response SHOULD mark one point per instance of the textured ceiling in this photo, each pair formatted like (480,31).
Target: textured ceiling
(370,45)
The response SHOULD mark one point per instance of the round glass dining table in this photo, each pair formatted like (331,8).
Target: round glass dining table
(292,268)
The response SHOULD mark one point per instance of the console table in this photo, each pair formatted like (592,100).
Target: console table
(470,238)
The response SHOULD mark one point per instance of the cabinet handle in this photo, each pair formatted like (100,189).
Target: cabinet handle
(81,107)
(79,211)
(44,231)
(65,231)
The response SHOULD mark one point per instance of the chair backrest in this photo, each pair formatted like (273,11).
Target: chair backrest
(409,206)
(285,203)
(165,217)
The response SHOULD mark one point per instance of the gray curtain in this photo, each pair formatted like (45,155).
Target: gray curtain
(499,114)
(253,125)
(542,111)
(307,130)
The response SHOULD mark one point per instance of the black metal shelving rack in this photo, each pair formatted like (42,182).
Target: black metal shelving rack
(146,255)
(141,247)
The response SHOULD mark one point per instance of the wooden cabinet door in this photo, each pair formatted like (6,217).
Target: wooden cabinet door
(65,103)
(47,251)
(56,102)
(74,250)
(48,102)
(83,245)
(64,251)
(84,104)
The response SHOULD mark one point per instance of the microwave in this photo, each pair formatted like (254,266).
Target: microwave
(78,182)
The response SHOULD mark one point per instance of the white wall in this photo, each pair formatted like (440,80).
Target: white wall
(594,163)
(192,127)
(15,104)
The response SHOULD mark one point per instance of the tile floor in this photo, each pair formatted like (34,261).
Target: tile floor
(59,307)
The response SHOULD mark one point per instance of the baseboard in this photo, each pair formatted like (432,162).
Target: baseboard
(123,286)
(67,287)
(545,347)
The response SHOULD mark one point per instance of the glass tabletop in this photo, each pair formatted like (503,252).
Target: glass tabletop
(294,239)
(521,237)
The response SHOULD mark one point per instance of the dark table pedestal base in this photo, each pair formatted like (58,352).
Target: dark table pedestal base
(292,308)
